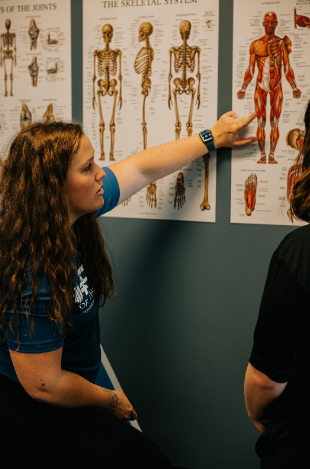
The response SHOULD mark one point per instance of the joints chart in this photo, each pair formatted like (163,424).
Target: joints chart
(153,56)
(270,65)
(30,93)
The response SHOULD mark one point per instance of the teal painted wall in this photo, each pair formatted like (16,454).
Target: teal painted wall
(180,336)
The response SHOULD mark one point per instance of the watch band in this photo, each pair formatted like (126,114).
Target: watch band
(207,138)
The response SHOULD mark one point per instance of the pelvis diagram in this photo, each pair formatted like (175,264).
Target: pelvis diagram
(184,59)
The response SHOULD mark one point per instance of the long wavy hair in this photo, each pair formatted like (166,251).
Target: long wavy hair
(35,231)
(300,198)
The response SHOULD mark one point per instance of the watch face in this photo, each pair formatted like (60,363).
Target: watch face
(206,135)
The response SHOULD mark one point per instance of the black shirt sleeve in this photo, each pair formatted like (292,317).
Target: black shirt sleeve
(283,324)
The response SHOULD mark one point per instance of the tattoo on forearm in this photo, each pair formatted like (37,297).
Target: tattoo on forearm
(113,404)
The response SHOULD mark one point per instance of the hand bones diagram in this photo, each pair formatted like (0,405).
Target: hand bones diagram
(8,52)
(271,53)
(107,67)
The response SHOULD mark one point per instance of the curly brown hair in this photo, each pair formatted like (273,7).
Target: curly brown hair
(35,231)
(300,198)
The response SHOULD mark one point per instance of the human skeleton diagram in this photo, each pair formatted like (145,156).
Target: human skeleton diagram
(33,32)
(294,139)
(271,53)
(48,116)
(250,188)
(143,65)
(302,21)
(8,52)
(25,116)
(179,197)
(34,71)
(107,67)
(184,58)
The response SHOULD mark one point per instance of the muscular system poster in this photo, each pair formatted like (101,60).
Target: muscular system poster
(271,76)
(35,64)
(149,77)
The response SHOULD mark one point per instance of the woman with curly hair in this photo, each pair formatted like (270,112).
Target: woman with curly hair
(54,274)
(277,379)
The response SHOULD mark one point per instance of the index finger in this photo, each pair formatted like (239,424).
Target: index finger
(246,121)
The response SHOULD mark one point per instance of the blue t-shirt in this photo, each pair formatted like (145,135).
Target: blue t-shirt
(81,348)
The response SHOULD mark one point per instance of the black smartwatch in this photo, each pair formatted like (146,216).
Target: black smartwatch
(207,138)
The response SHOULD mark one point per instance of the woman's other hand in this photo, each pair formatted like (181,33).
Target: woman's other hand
(226,131)
(120,405)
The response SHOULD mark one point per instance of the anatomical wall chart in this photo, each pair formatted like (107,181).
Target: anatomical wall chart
(150,77)
(33,38)
(271,76)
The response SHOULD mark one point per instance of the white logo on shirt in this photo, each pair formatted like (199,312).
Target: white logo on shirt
(81,290)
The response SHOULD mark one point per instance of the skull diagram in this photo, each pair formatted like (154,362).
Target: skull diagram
(145,31)
(185,29)
(107,33)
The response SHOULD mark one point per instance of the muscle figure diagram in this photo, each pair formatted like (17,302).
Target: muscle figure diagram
(271,53)
(250,188)
(34,71)
(302,21)
(8,52)
(25,116)
(107,67)
(179,197)
(294,139)
(48,116)
(143,65)
(33,32)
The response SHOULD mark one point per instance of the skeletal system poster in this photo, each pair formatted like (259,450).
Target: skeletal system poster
(271,76)
(35,64)
(150,77)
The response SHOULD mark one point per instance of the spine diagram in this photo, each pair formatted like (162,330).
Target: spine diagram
(271,53)
(8,52)
(34,71)
(107,67)
(179,197)
(25,116)
(33,32)
(250,188)
(143,65)
(301,21)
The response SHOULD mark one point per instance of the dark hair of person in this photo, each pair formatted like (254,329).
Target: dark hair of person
(35,231)
(300,199)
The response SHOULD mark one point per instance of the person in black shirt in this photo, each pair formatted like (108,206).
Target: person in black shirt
(277,381)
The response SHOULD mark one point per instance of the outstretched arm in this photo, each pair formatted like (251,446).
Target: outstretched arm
(139,170)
